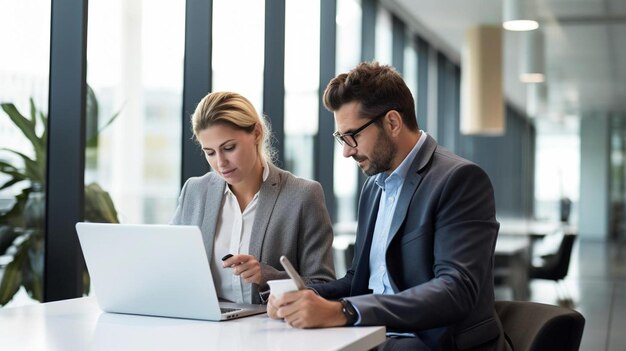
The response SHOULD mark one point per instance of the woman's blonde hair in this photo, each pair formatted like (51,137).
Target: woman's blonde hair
(228,108)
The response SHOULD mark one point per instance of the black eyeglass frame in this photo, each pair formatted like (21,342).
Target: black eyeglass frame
(351,136)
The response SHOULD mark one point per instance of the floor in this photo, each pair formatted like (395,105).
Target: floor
(597,284)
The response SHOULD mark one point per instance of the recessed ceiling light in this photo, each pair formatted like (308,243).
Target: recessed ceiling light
(517,15)
(520,25)
(532,77)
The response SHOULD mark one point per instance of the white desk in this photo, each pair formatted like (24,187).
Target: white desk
(511,264)
(79,324)
(532,228)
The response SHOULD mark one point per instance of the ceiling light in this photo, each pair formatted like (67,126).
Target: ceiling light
(517,16)
(532,68)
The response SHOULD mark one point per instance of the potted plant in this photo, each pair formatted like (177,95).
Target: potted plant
(21,227)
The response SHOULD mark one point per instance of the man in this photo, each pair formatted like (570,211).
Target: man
(426,229)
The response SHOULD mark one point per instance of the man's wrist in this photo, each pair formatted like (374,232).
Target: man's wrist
(264,296)
(348,311)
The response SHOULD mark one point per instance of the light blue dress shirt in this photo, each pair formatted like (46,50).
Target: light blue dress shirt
(391,186)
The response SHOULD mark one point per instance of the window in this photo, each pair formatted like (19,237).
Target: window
(302,30)
(24,73)
(348,56)
(410,67)
(238,48)
(557,172)
(135,67)
(384,37)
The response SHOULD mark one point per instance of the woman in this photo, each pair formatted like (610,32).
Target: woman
(249,208)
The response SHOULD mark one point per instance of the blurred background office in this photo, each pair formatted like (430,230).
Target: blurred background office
(542,110)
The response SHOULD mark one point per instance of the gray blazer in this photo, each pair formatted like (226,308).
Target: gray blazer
(291,219)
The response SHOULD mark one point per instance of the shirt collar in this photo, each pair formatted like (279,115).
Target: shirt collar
(403,168)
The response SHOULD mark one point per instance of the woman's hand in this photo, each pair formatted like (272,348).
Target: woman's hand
(247,267)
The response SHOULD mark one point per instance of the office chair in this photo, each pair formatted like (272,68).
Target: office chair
(532,326)
(555,267)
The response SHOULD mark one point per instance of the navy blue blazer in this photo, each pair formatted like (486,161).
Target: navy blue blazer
(439,254)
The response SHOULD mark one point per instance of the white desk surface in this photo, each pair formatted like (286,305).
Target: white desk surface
(79,324)
(508,245)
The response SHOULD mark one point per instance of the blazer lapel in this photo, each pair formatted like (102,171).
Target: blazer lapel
(412,181)
(212,206)
(268,194)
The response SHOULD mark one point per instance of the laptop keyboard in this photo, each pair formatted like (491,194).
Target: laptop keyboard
(227,310)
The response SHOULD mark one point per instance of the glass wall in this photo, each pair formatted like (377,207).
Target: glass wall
(383,42)
(238,48)
(23,76)
(24,66)
(348,56)
(135,68)
(409,71)
(302,52)
(557,174)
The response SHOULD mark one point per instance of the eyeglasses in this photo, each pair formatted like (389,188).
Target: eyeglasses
(350,138)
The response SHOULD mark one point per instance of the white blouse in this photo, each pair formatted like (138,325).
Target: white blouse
(233,236)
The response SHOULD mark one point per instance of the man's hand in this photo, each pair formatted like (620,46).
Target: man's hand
(247,267)
(305,309)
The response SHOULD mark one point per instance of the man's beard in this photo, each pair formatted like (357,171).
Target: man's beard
(382,156)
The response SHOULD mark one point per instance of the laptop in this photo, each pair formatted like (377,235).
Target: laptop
(155,270)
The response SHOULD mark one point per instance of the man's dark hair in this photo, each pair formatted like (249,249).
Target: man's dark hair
(378,88)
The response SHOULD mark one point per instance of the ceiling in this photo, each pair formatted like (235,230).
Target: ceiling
(585,49)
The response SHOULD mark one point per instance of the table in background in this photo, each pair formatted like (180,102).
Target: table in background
(78,324)
(512,260)
(533,228)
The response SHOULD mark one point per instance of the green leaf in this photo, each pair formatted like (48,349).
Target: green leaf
(33,112)
(43,118)
(16,173)
(32,270)
(113,118)
(35,288)
(86,282)
(6,167)
(32,169)
(14,217)
(93,140)
(91,119)
(40,150)
(44,135)
(98,205)
(7,236)
(11,182)
(11,280)
(26,126)
(12,172)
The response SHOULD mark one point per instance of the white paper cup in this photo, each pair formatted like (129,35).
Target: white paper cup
(281,286)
